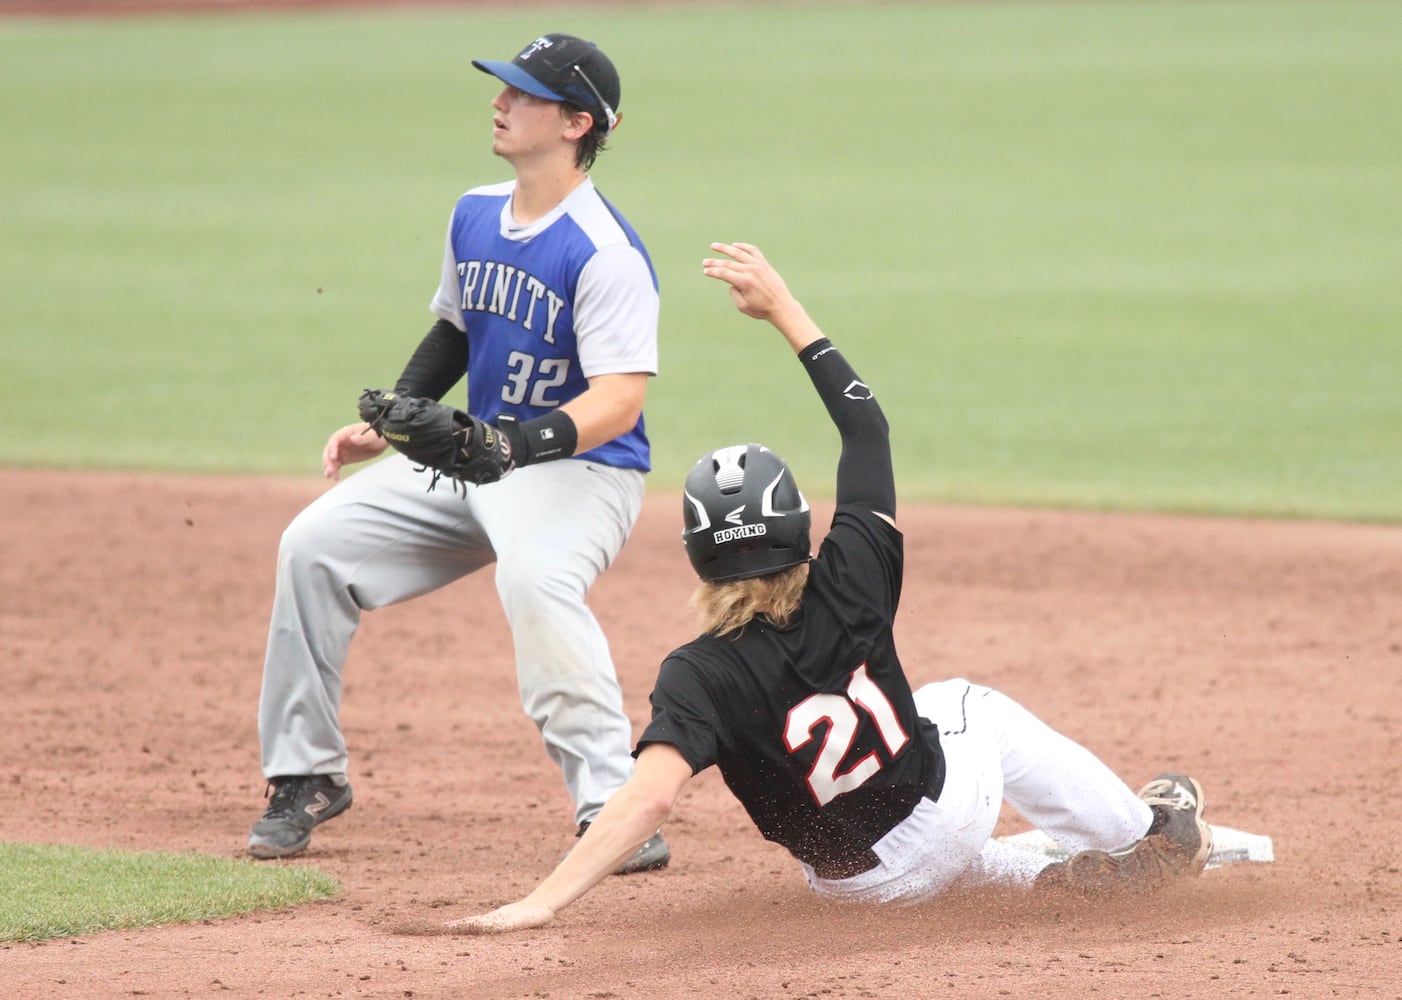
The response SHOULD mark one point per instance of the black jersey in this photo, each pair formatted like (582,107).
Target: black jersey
(813,726)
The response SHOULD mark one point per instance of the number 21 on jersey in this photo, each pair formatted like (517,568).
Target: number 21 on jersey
(826,780)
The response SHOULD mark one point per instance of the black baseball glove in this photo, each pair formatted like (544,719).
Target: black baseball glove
(438,437)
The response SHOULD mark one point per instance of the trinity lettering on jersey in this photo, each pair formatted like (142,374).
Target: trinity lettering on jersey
(504,290)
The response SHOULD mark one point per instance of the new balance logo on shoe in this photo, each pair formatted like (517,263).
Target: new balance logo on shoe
(297,803)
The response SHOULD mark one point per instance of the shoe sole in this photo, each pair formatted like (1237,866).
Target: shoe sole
(1204,829)
(271,852)
(265,851)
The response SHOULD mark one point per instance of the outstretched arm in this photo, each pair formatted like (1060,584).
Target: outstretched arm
(864,473)
(632,815)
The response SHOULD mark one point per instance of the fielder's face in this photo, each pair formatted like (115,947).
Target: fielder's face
(526,127)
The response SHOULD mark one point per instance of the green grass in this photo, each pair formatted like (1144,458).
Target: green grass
(55,891)
(1138,255)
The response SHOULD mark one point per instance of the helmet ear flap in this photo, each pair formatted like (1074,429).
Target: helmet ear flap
(743,515)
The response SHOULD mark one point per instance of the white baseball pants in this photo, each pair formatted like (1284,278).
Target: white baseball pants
(994,750)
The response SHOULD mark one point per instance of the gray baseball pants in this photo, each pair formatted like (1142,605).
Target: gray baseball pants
(379,537)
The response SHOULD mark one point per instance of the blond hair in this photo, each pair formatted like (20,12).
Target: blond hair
(729,606)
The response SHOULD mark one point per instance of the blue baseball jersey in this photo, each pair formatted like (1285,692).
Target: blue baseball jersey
(547,306)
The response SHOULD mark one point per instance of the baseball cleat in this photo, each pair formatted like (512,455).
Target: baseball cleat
(1179,834)
(652,856)
(1177,844)
(298,803)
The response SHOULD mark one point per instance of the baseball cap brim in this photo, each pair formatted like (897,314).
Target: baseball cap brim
(514,76)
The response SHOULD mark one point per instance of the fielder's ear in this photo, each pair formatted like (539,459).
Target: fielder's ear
(577,125)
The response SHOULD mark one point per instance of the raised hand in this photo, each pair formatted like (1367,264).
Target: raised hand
(756,288)
(759,292)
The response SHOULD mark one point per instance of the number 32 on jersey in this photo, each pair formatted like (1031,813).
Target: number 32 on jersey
(548,374)
(826,780)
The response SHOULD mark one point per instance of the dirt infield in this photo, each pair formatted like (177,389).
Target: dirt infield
(1264,657)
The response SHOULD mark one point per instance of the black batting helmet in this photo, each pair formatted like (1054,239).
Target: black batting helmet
(743,515)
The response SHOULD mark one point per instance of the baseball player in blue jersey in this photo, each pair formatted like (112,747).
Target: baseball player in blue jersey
(795,691)
(548,302)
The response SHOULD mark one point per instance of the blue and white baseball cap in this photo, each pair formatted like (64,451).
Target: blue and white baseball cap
(563,68)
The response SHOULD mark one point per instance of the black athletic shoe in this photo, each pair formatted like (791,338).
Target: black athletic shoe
(1178,834)
(653,855)
(1178,844)
(298,803)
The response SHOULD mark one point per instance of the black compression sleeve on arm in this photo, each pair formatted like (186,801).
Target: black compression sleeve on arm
(437,364)
(864,473)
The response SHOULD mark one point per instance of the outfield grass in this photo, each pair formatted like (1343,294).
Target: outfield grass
(1138,255)
(55,891)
